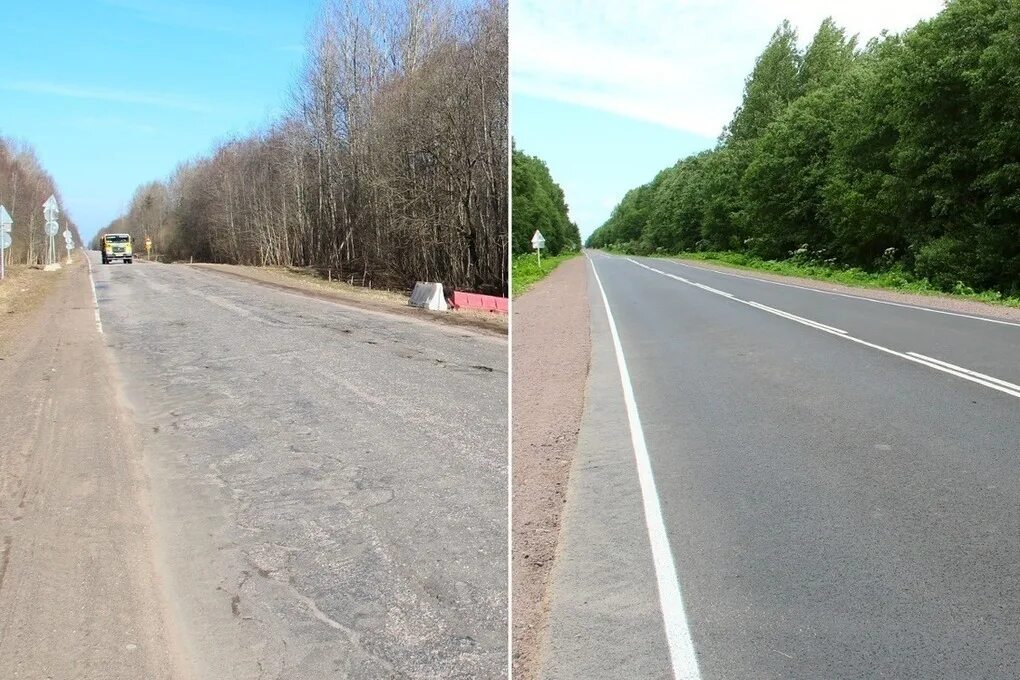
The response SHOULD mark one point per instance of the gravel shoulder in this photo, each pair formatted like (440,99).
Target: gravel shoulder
(551,354)
(943,302)
(80,592)
(361,298)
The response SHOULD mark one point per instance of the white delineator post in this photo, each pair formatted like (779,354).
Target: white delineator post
(5,237)
(538,242)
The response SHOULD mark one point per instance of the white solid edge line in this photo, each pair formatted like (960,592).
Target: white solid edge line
(674,618)
(958,371)
(920,308)
(95,298)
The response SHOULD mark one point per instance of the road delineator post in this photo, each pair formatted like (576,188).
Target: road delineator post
(538,242)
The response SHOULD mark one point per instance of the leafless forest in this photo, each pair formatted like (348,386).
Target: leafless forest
(391,165)
(24,187)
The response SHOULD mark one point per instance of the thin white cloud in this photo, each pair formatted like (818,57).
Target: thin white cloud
(107,123)
(678,63)
(188,14)
(105,94)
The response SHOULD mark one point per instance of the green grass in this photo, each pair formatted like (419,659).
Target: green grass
(893,279)
(527,273)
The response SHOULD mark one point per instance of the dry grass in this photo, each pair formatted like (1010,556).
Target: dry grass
(22,291)
(309,282)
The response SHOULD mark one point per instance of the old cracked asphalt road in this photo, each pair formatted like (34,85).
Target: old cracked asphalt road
(836,481)
(326,487)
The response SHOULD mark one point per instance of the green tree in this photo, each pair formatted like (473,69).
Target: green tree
(724,223)
(863,194)
(956,154)
(903,154)
(785,181)
(539,204)
(676,212)
(772,85)
(827,58)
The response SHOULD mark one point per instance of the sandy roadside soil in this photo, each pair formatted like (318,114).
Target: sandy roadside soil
(80,596)
(946,303)
(22,291)
(551,353)
(362,298)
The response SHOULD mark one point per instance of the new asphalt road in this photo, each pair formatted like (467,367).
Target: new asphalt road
(328,484)
(787,483)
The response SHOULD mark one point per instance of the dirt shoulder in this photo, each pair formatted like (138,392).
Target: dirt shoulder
(363,298)
(80,596)
(22,291)
(551,354)
(943,302)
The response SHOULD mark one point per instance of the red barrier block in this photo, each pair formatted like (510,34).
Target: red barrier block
(490,303)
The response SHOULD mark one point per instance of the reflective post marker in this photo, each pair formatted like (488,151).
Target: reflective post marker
(68,243)
(538,242)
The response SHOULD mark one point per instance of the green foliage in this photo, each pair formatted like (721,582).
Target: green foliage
(539,204)
(895,278)
(901,157)
(772,85)
(945,262)
(784,182)
(527,271)
(827,59)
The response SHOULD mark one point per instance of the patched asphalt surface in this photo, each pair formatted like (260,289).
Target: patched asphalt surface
(329,484)
(834,511)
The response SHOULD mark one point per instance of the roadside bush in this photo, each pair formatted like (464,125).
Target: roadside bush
(945,262)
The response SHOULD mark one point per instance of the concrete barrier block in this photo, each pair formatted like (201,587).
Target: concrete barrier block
(428,295)
(490,303)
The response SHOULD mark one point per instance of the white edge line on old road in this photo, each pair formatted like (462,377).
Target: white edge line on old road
(939,365)
(674,618)
(95,298)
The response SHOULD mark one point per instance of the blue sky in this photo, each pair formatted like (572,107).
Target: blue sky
(113,93)
(594,155)
(609,93)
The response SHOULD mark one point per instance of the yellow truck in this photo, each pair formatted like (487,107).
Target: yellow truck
(115,247)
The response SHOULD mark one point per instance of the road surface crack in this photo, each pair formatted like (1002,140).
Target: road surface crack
(5,560)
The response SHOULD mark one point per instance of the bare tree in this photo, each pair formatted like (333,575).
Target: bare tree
(24,186)
(392,165)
